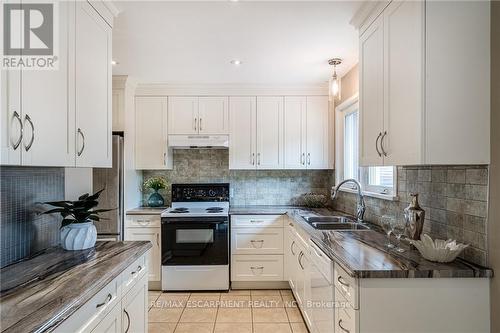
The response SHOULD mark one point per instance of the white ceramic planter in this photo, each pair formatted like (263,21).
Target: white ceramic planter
(78,236)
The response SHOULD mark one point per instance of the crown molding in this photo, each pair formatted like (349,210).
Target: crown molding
(367,11)
(124,81)
(160,89)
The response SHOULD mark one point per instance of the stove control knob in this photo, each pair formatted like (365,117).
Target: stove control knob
(211,193)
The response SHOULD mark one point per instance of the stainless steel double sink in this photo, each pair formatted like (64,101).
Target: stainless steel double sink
(334,223)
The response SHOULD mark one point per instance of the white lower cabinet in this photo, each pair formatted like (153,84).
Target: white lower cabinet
(257,248)
(120,306)
(147,228)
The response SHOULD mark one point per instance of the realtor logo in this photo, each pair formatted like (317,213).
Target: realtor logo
(29,39)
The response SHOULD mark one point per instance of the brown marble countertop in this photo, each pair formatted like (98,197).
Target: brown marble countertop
(146,211)
(39,293)
(363,254)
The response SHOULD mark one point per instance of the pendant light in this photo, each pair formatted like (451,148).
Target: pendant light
(335,83)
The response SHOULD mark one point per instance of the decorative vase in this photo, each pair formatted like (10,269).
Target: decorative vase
(78,236)
(414,217)
(156,200)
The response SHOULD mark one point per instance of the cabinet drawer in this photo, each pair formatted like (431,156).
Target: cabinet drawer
(345,320)
(133,273)
(346,285)
(257,241)
(86,318)
(238,221)
(257,268)
(143,221)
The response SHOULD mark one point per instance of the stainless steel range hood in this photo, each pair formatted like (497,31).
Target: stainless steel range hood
(198,141)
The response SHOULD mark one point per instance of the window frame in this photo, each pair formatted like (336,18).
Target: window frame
(351,105)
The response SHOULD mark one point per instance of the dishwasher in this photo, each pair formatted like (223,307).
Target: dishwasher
(322,306)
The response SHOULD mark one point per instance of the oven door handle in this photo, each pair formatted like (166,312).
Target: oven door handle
(192,223)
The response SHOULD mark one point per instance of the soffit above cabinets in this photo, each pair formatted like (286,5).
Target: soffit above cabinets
(194,42)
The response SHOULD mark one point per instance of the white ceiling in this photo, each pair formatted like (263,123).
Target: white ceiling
(279,43)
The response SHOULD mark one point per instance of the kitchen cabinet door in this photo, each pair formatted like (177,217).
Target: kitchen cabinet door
(242,118)
(48,111)
(135,308)
(112,323)
(92,88)
(371,89)
(151,151)
(213,115)
(269,137)
(294,130)
(317,156)
(183,115)
(154,255)
(404,45)
(11,122)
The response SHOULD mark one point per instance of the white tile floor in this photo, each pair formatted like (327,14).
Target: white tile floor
(237,311)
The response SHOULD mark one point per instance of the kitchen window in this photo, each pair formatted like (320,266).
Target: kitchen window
(376,181)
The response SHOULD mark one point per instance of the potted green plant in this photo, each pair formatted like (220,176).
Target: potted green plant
(78,231)
(156,184)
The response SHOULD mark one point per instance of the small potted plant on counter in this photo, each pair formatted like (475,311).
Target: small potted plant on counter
(156,184)
(78,231)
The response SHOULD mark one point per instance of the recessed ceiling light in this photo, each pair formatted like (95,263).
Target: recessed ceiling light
(236,62)
(114,62)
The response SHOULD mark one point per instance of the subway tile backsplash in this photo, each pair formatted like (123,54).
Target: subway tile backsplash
(455,200)
(23,232)
(249,187)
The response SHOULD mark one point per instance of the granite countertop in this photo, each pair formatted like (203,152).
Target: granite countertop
(146,211)
(363,254)
(39,293)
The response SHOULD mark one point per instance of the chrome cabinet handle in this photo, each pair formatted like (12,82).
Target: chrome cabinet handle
(195,124)
(260,241)
(376,144)
(28,119)
(258,158)
(260,268)
(308,158)
(83,142)
(18,142)
(253,158)
(164,158)
(128,320)
(342,282)
(108,299)
(382,143)
(300,259)
(201,128)
(343,328)
(291,247)
(256,221)
(303,159)
(158,239)
(139,268)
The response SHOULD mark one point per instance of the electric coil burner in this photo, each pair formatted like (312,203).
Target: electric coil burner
(195,242)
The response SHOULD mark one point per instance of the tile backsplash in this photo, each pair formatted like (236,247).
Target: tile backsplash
(249,187)
(23,232)
(455,200)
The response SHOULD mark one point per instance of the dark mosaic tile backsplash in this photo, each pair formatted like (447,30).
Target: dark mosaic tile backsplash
(22,231)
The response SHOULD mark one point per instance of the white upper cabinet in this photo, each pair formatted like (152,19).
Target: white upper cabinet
(48,112)
(242,132)
(183,115)
(269,153)
(213,115)
(151,151)
(403,86)
(415,106)
(294,130)
(371,102)
(93,88)
(306,126)
(317,156)
(11,122)
(198,115)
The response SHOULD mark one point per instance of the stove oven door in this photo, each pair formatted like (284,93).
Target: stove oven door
(195,241)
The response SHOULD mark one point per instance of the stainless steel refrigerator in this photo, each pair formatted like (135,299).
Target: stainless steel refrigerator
(111,179)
